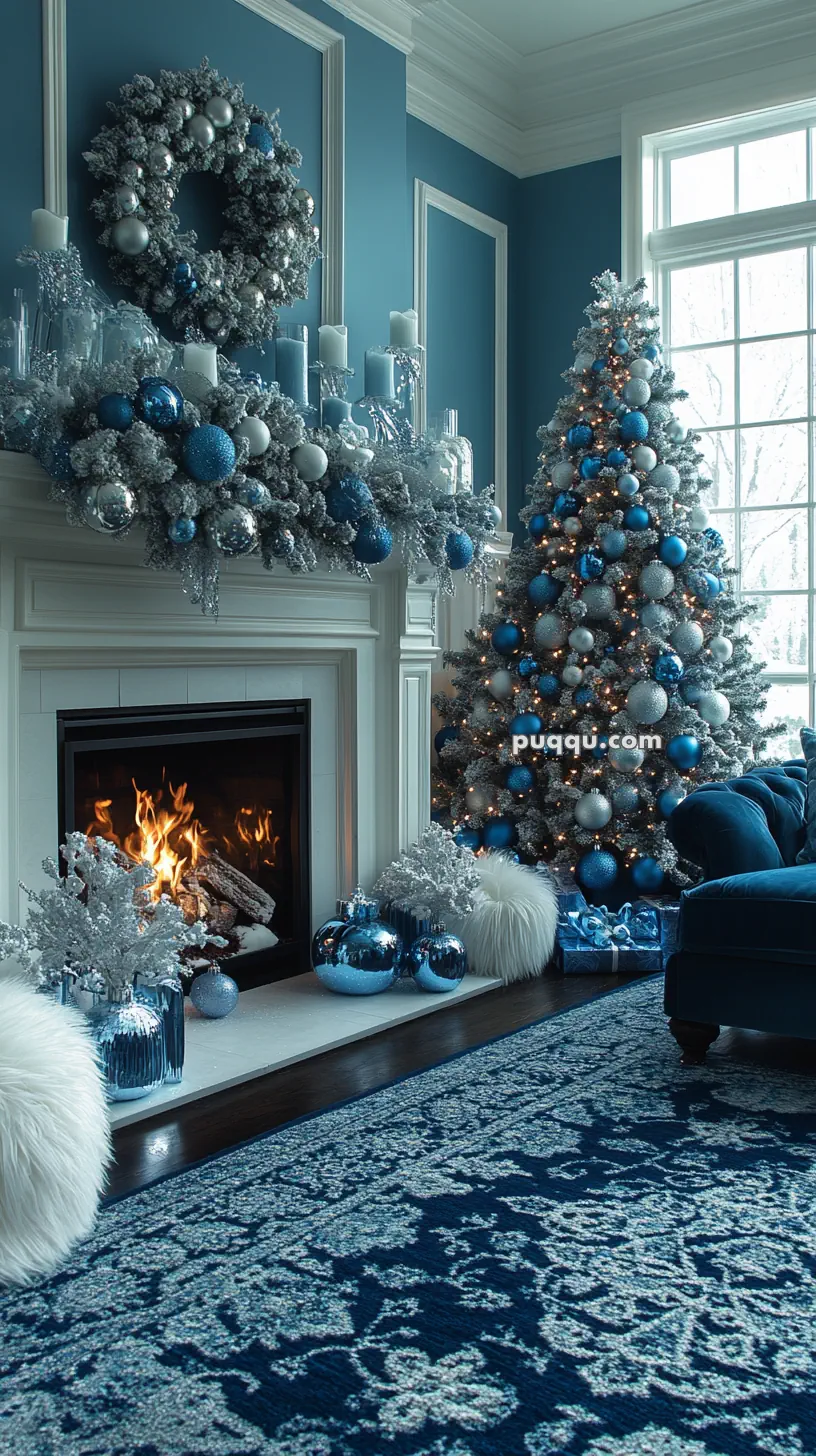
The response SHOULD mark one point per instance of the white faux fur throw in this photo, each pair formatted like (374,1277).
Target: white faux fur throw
(54,1132)
(511,930)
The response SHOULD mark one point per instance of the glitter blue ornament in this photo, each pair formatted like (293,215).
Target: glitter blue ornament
(652,353)
(628,485)
(684,751)
(458,550)
(673,551)
(214,994)
(261,139)
(159,403)
(613,545)
(468,838)
(520,779)
(668,799)
(539,525)
(590,467)
(436,961)
(528,723)
(208,453)
(184,281)
(704,585)
(647,875)
(507,637)
(636,518)
(580,436)
(583,697)
(621,345)
(349,499)
(590,566)
(115,412)
(373,543)
(597,869)
(668,668)
(182,530)
(634,426)
(598,366)
(499,833)
(548,685)
(543,590)
(445,735)
(566,504)
(527,666)
(616,458)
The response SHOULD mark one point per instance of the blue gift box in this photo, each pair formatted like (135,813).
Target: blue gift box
(637,939)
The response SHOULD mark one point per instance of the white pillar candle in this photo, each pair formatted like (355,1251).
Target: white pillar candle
(202,359)
(333,345)
(48,230)
(404,329)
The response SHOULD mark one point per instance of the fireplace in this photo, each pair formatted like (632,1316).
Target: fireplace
(216,798)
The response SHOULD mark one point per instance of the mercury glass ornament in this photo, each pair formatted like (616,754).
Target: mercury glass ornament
(592,811)
(185,107)
(219,111)
(200,130)
(232,529)
(129,1038)
(436,961)
(214,994)
(160,160)
(357,954)
(126,199)
(130,236)
(255,494)
(109,507)
(646,702)
(251,297)
(304,200)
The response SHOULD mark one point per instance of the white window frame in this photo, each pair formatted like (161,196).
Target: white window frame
(650,249)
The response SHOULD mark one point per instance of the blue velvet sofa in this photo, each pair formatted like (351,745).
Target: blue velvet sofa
(746,945)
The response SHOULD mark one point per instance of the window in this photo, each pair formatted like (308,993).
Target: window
(731,244)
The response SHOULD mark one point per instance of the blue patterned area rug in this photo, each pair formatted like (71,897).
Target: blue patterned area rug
(558,1243)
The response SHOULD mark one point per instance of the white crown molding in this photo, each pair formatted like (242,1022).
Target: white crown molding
(462,118)
(391,20)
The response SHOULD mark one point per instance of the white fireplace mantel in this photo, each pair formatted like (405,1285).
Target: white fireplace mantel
(84,624)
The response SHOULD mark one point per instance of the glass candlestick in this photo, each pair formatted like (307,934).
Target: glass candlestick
(409,364)
(445,433)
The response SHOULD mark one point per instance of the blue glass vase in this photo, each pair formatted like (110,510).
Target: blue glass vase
(436,961)
(130,1045)
(167,997)
(357,954)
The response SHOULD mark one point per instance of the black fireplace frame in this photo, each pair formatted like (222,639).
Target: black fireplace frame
(80,730)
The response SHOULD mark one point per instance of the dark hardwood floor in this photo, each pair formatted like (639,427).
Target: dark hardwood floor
(171,1141)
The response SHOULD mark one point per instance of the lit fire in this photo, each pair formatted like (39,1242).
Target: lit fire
(173,841)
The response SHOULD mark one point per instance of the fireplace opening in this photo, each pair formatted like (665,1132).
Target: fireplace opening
(216,799)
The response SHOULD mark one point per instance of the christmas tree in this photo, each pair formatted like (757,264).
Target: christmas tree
(612,677)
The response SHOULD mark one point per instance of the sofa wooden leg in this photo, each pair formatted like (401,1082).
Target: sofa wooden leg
(694,1038)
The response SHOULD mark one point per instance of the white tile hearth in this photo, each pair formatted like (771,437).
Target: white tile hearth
(274,1026)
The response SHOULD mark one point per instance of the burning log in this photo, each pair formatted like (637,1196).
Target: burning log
(230,884)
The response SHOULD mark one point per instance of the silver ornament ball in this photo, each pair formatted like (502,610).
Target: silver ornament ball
(572,526)
(130,236)
(625,799)
(185,107)
(626,760)
(644,457)
(664,477)
(269,281)
(500,685)
(251,297)
(592,811)
(109,507)
(581,639)
(200,130)
(599,601)
(160,160)
(655,617)
(721,648)
(232,529)
(550,631)
(127,199)
(310,461)
(562,474)
(656,581)
(572,675)
(647,702)
(219,111)
(687,638)
(714,708)
(699,517)
(641,369)
(304,200)
(636,392)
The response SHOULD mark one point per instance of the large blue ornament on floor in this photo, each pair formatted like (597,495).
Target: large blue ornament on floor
(436,962)
(129,1040)
(357,954)
(507,637)
(373,543)
(348,499)
(159,403)
(214,994)
(597,869)
(208,453)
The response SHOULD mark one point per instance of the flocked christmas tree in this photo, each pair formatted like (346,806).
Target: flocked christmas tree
(616,620)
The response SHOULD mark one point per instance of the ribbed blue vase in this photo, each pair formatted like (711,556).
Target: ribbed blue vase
(130,1045)
(167,997)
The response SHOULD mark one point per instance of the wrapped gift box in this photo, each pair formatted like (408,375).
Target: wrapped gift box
(638,939)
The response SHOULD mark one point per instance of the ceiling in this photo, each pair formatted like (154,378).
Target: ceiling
(529,26)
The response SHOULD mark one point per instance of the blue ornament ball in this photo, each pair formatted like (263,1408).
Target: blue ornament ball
(182,530)
(704,585)
(616,458)
(115,412)
(634,426)
(526,666)
(590,467)
(436,962)
(597,869)
(458,550)
(628,485)
(621,345)
(584,696)
(183,279)
(673,551)
(520,779)
(647,874)
(668,799)
(214,994)
(499,833)
(652,353)
(691,692)
(261,139)
(580,436)
(253,378)
(590,566)
(613,545)
(528,723)
(548,685)
(373,543)
(601,749)
(539,525)
(566,504)
(348,499)
(598,366)
(445,735)
(357,955)
(208,453)
(468,838)
(507,637)
(684,751)
(668,668)
(543,590)
(160,404)
(636,518)
(714,538)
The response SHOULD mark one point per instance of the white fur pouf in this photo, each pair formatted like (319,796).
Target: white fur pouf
(511,930)
(54,1132)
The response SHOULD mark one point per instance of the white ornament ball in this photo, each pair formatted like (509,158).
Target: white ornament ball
(219,111)
(699,518)
(550,630)
(714,708)
(572,526)
(636,392)
(130,236)
(255,432)
(583,362)
(641,369)
(581,639)
(647,702)
(626,760)
(592,811)
(644,457)
(310,461)
(572,675)
(687,638)
(200,130)
(494,513)
(664,477)
(562,474)
(500,684)
(599,601)
(656,581)
(721,649)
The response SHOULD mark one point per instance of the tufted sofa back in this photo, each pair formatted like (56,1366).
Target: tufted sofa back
(755,822)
